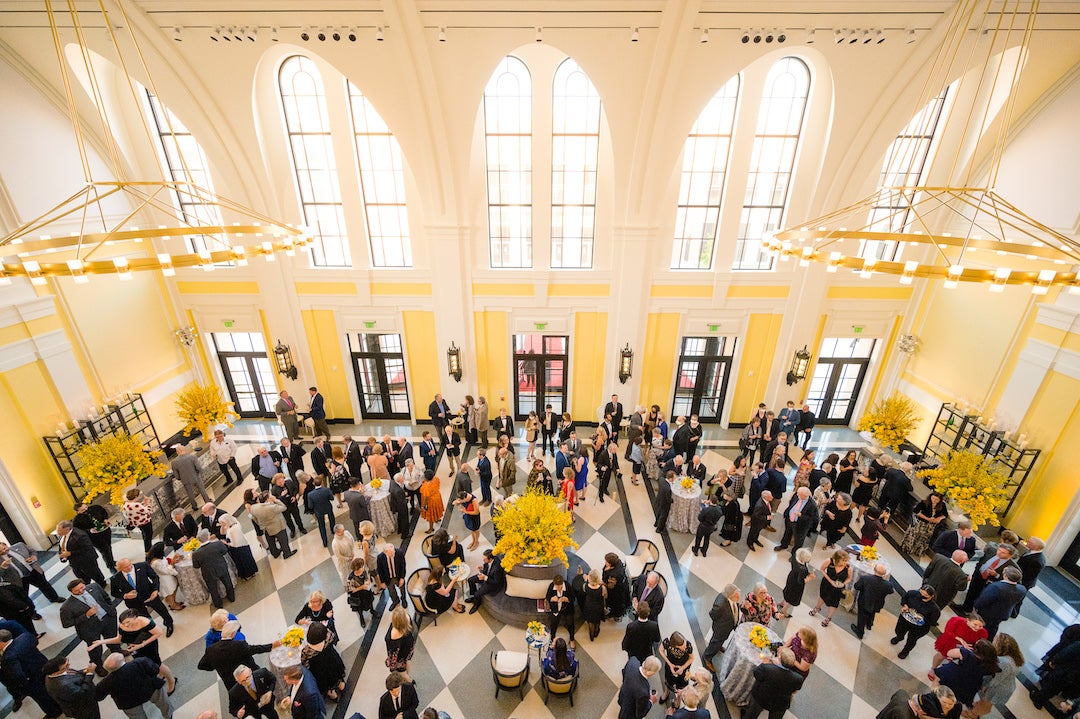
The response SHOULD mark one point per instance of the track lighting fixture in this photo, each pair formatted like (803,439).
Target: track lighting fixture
(273,34)
(781,36)
(704,36)
(336,36)
(237,33)
(252,33)
(853,37)
(321,36)
(539,34)
(810,36)
(442,34)
(176,36)
(305,35)
(216,35)
(839,35)
(634,35)
(768,36)
(910,36)
(757,37)
(745,37)
(379,34)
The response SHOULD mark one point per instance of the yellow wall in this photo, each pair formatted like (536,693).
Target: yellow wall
(425,374)
(1056,478)
(323,345)
(493,360)
(590,332)
(25,390)
(758,349)
(657,363)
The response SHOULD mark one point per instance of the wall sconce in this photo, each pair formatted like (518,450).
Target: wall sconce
(283,358)
(626,363)
(453,361)
(186,336)
(799,365)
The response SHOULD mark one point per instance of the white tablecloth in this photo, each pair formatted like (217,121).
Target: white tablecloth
(685,507)
(281,658)
(384,519)
(736,671)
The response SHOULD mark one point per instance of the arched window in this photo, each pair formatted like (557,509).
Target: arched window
(701,192)
(183,157)
(382,183)
(772,162)
(508,135)
(575,153)
(307,123)
(905,163)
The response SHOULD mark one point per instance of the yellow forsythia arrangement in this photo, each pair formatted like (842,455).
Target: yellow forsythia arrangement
(535,629)
(533,530)
(759,637)
(376,483)
(868,554)
(969,480)
(115,463)
(191,545)
(687,483)
(293,638)
(202,408)
(890,420)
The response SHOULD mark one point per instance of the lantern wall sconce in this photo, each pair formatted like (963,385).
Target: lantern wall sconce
(799,364)
(626,363)
(453,361)
(284,361)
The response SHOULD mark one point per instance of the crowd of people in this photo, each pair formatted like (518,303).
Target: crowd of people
(975,665)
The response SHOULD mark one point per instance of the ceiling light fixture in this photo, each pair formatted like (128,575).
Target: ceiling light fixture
(273,34)
(442,34)
(634,36)
(704,38)
(810,36)
(379,34)
(539,34)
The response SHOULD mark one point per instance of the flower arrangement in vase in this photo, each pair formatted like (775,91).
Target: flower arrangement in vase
(202,407)
(533,530)
(293,637)
(759,637)
(115,463)
(191,545)
(687,483)
(376,483)
(868,554)
(890,420)
(970,480)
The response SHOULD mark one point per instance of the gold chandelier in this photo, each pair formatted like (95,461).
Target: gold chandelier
(85,235)
(970,227)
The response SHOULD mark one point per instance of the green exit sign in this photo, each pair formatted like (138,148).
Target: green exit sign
(228,323)
(714,328)
(369,325)
(540,325)
(857,329)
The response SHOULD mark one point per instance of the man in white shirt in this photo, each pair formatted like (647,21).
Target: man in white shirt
(223,450)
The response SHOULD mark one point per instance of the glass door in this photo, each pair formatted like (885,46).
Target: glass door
(701,384)
(540,366)
(379,368)
(1071,561)
(838,378)
(249,375)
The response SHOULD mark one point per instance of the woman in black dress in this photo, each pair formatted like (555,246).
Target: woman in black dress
(835,574)
(731,529)
(318,609)
(618,586)
(358,588)
(439,598)
(848,466)
(324,662)
(677,655)
(801,573)
(864,490)
(400,642)
(835,519)
(446,548)
(140,634)
(926,522)
(591,599)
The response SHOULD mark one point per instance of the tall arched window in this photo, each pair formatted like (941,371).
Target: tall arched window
(701,192)
(508,135)
(184,159)
(382,183)
(575,153)
(308,125)
(905,163)
(772,162)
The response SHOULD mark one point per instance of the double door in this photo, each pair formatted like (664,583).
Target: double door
(702,380)
(838,378)
(249,376)
(540,365)
(379,369)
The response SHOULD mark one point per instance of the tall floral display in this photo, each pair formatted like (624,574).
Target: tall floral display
(115,463)
(533,530)
(201,407)
(970,480)
(890,420)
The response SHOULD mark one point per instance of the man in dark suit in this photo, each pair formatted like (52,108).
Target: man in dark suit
(560,602)
(90,610)
(489,578)
(317,412)
(995,603)
(760,516)
(358,503)
(179,530)
(228,653)
(287,491)
(947,576)
(636,699)
(664,498)
(725,615)
(775,682)
(800,517)
(25,562)
(354,457)
(646,588)
(708,519)
(16,606)
(78,551)
(680,438)
(404,452)
(292,455)
(936,703)
(896,490)
(483,468)
(549,427)
(642,634)
(562,461)
(872,590)
(503,425)
(210,560)
(94,520)
(1031,565)
(22,671)
(134,684)
(778,446)
(960,538)
(264,465)
(73,690)
(209,516)
(399,505)
(321,500)
(615,409)
(319,455)
(440,414)
(137,584)
(303,697)
(253,692)
(429,452)
(697,470)
(400,700)
(995,560)
(390,566)
(607,464)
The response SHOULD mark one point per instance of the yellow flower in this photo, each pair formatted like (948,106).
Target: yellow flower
(293,638)
(533,530)
(890,420)
(759,637)
(202,408)
(376,483)
(191,545)
(112,464)
(971,481)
